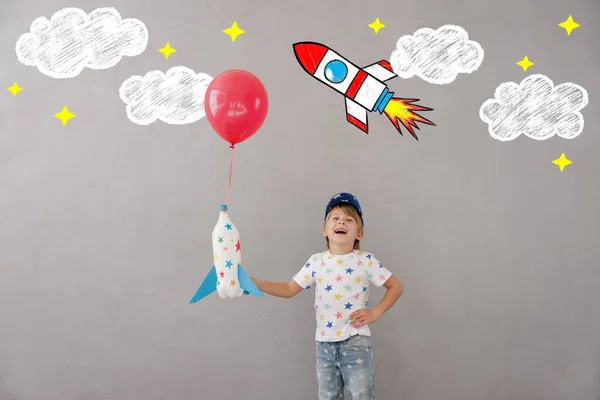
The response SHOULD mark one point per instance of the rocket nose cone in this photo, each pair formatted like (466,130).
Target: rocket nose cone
(309,55)
(297,46)
(309,45)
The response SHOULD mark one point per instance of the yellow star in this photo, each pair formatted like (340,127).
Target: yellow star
(376,25)
(320,279)
(525,63)
(65,115)
(569,25)
(234,31)
(340,262)
(167,50)
(562,162)
(14,89)
(338,296)
(216,257)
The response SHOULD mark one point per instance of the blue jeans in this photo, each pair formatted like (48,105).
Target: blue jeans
(349,364)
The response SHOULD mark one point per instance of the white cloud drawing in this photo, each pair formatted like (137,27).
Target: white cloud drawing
(536,109)
(436,56)
(175,97)
(73,40)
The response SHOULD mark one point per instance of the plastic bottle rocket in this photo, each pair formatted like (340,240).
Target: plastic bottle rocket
(226,276)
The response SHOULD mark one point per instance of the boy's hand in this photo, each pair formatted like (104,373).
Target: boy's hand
(363,317)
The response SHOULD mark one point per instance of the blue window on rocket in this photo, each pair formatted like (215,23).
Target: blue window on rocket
(336,71)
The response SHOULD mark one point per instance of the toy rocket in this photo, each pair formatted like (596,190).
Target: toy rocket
(226,276)
(362,88)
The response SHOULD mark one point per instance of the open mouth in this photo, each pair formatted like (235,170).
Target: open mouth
(340,231)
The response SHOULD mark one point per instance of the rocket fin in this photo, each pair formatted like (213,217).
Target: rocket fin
(246,283)
(208,286)
(381,70)
(357,115)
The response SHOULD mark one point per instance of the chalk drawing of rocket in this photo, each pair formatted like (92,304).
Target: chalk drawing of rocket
(226,276)
(362,88)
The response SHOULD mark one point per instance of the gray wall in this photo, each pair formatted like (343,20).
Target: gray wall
(105,225)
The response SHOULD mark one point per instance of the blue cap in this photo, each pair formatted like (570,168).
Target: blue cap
(344,198)
(223,207)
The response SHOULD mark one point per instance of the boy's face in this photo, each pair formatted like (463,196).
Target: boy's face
(341,228)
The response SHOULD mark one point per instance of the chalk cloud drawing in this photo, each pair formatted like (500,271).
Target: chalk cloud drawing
(175,97)
(73,40)
(535,108)
(436,56)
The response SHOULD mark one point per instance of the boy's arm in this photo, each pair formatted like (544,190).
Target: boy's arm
(279,289)
(364,316)
(394,291)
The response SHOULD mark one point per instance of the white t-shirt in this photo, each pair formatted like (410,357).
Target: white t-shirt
(342,287)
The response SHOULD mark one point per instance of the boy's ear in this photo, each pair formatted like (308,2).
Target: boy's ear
(324,232)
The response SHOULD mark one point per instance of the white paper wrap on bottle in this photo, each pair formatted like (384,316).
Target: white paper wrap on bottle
(226,276)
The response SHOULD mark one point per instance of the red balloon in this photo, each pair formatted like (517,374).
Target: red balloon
(236,105)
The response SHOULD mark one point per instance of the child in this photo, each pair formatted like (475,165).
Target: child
(341,276)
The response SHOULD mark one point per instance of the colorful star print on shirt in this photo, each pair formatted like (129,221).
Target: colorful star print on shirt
(342,287)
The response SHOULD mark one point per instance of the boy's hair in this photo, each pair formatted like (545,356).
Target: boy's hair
(351,211)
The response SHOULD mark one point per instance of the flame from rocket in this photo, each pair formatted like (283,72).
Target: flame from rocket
(401,111)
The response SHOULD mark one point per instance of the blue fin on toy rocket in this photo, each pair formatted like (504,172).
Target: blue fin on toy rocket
(246,283)
(208,286)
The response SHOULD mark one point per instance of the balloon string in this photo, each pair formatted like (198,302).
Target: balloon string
(230,173)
